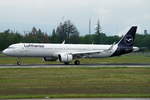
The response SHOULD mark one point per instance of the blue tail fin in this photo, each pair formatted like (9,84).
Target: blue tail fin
(125,45)
(128,39)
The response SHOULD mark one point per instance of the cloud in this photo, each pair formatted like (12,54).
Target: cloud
(114,15)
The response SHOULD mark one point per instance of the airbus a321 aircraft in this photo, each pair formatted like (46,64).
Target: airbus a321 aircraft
(67,52)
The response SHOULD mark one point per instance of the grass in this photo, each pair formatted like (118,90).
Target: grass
(129,58)
(78,96)
(74,82)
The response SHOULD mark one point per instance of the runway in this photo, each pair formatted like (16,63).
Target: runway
(71,65)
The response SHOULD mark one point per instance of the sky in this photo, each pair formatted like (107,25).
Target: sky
(116,16)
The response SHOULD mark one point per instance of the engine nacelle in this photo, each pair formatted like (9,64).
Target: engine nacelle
(49,59)
(65,57)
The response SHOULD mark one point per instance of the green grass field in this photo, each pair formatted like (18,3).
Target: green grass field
(74,82)
(129,58)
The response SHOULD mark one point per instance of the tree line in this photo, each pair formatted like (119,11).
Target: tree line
(66,31)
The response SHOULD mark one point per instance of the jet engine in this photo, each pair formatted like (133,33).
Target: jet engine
(49,59)
(65,57)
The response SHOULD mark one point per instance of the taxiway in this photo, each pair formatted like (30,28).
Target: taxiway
(62,65)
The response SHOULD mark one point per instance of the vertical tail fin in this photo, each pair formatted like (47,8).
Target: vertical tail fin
(128,39)
(125,45)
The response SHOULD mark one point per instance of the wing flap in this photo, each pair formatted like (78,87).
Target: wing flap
(88,53)
(85,53)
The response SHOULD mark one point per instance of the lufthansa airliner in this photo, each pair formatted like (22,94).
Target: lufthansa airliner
(68,52)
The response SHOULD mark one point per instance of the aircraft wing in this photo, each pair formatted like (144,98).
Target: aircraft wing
(88,53)
(85,53)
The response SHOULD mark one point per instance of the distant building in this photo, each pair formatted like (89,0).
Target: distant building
(145,32)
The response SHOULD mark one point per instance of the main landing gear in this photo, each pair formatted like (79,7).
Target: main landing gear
(76,62)
(66,63)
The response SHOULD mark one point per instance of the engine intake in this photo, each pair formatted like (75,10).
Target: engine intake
(65,57)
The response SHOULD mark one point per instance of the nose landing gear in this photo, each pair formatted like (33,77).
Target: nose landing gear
(18,61)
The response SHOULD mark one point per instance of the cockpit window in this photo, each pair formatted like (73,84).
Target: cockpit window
(14,46)
(10,47)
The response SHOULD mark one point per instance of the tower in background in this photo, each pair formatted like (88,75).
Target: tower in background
(145,32)
(90,26)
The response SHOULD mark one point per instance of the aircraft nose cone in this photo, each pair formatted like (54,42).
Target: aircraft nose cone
(4,51)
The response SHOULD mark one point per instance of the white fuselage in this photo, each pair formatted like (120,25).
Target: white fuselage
(53,50)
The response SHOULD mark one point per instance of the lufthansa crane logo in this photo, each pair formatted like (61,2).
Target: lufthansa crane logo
(129,40)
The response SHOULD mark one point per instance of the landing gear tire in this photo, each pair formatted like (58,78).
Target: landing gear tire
(18,63)
(77,62)
(66,63)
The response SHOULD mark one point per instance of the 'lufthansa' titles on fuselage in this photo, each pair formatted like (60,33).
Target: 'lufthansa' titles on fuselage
(33,46)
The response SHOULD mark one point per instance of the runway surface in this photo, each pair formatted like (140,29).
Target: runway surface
(62,65)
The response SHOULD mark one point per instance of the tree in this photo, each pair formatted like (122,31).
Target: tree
(87,39)
(67,31)
(142,40)
(98,28)
(54,37)
(34,30)
(36,36)
(99,36)
(9,37)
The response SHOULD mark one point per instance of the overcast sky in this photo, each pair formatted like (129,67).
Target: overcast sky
(114,15)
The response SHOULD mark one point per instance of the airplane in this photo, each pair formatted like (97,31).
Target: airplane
(66,53)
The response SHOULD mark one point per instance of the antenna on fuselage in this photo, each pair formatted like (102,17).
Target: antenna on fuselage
(63,42)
